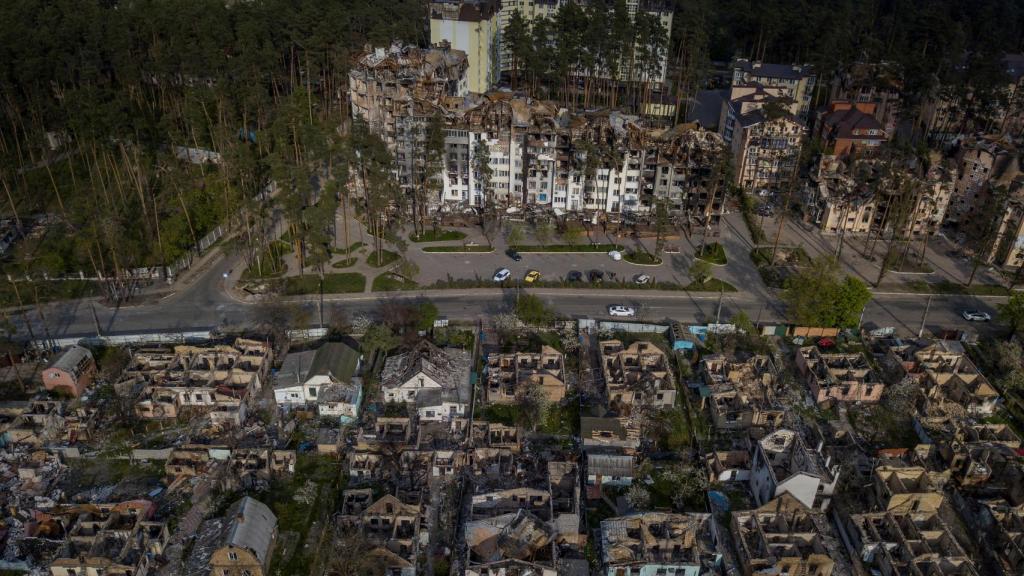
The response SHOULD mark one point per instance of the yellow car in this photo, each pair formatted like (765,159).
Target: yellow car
(532,276)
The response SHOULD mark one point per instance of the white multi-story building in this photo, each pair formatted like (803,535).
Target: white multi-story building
(760,126)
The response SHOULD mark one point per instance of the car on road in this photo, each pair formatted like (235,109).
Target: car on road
(532,276)
(513,255)
(574,276)
(641,279)
(596,276)
(502,275)
(615,255)
(619,310)
(976,316)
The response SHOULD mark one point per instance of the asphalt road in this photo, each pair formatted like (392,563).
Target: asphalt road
(206,305)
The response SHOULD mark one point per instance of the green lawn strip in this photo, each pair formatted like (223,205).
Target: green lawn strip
(386,257)
(747,208)
(338,283)
(49,291)
(460,249)
(566,248)
(388,282)
(713,253)
(947,287)
(794,255)
(506,414)
(346,263)
(712,285)
(437,236)
(271,262)
(644,258)
(355,246)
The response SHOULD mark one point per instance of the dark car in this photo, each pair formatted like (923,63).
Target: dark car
(596,276)
(513,255)
(574,276)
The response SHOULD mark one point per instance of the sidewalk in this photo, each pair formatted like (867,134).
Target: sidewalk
(941,256)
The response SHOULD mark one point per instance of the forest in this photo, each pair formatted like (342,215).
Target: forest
(118,84)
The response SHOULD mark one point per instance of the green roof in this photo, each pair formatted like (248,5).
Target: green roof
(337,359)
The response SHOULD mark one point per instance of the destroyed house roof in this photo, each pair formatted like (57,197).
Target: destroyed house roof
(448,367)
(590,425)
(71,358)
(846,123)
(620,465)
(332,358)
(783,71)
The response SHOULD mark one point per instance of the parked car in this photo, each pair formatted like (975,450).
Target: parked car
(619,310)
(574,276)
(502,275)
(513,255)
(615,255)
(976,316)
(532,276)
(642,279)
(596,276)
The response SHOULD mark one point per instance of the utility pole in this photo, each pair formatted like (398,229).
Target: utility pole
(96,321)
(718,314)
(924,317)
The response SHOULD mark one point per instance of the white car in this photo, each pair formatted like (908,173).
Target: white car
(619,310)
(641,279)
(502,275)
(615,255)
(976,316)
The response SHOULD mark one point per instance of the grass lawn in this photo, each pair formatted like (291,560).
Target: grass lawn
(386,257)
(48,291)
(340,283)
(346,263)
(506,414)
(795,255)
(712,285)
(641,258)
(437,236)
(355,246)
(913,266)
(319,477)
(566,248)
(947,287)
(483,249)
(713,253)
(271,263)
(561,420)
(388,282)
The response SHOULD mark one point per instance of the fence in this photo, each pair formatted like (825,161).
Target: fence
(204,244)
(121,339)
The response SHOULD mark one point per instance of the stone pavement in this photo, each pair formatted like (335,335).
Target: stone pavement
(941,255)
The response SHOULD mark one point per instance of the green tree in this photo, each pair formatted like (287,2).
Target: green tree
(426,314)
(819,295)
(531,310)
(1012,312)
(543,231)
(573,233)
(378,337)
(700,271)
(514,236)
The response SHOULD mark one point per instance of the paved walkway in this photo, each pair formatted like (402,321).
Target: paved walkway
(942,256)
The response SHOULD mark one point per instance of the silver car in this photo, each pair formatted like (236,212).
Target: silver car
(619,310)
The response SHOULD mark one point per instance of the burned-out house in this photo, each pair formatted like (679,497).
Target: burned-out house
(637,375)
(894,543)
(510,376)
(740,393)
(839,376)
(786,537)
(647,542)
(108,538)
(219,381)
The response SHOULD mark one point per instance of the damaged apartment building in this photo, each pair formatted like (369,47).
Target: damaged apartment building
(539,155)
